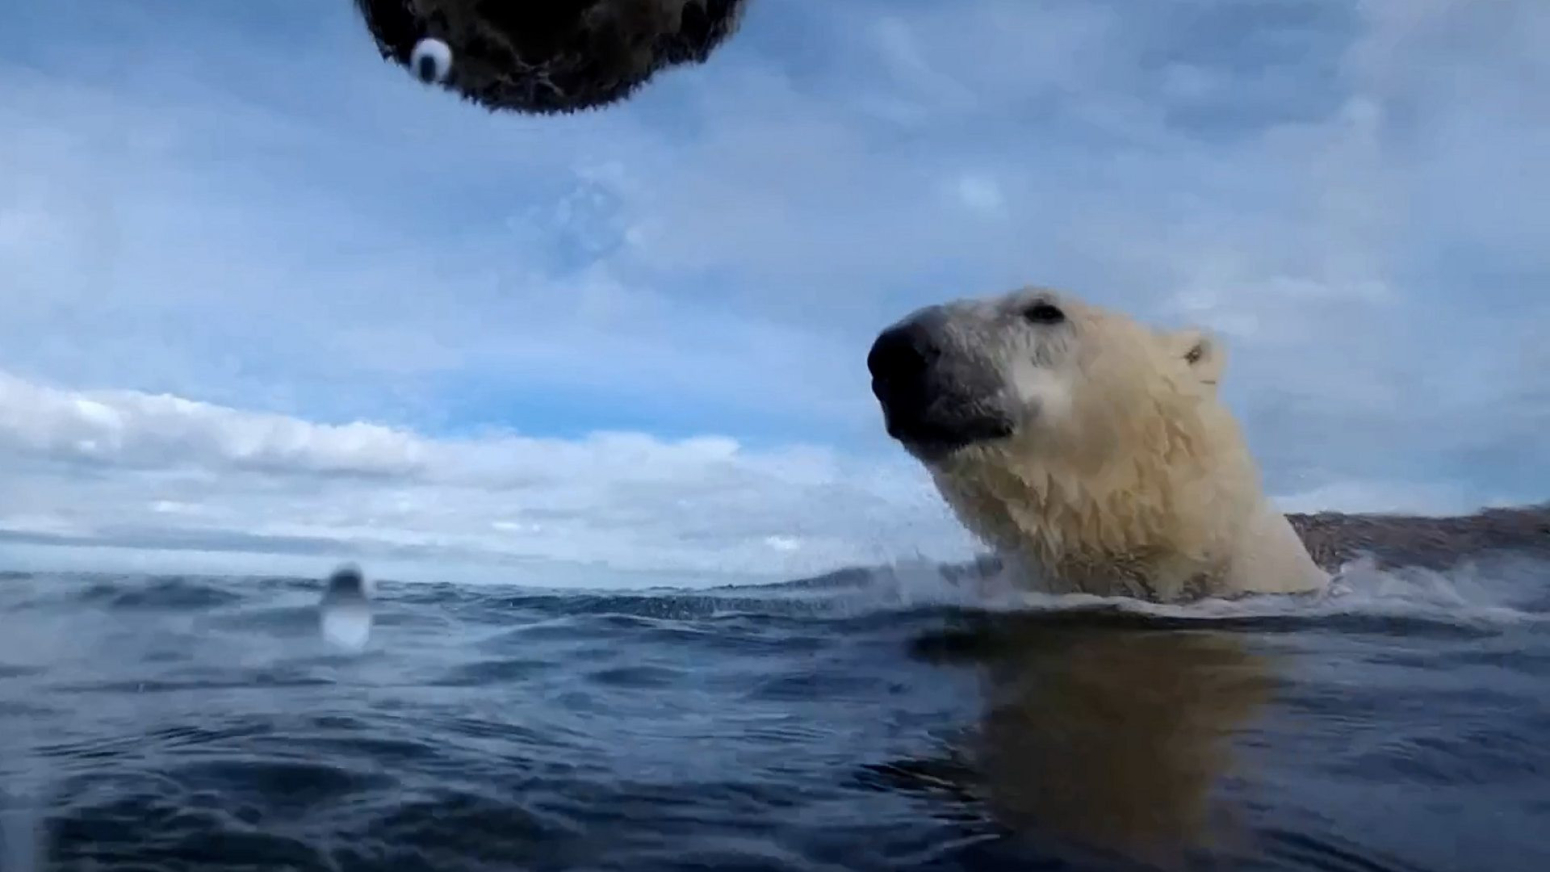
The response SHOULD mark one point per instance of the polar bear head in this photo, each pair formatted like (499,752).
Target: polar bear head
(1073,436)
(1040,374)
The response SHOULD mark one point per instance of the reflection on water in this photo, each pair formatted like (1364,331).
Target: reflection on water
(1113,738)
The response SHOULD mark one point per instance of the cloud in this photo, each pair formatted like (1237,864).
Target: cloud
(124,469)
(174,483)
(246,210)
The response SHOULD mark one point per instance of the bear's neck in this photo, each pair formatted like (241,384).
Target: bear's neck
(1156,525)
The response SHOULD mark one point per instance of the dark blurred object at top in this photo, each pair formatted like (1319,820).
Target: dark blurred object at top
(547,56)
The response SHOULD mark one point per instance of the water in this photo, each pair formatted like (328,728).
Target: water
(885,721)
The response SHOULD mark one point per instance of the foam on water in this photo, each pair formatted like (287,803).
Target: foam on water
(1505,592)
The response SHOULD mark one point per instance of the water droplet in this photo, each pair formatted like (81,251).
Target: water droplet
(431,60)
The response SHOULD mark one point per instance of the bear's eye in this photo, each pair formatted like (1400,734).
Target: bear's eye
(1044,313)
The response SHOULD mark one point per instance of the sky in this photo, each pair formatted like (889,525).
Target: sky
(270,304)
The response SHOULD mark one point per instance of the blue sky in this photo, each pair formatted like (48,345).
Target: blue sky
(270,303)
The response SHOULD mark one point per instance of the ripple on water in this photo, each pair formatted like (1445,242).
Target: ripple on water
(191,728)
(183,594)
(494,672)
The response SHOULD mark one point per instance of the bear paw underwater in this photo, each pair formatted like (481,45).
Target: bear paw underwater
(552,57)
(1094,452)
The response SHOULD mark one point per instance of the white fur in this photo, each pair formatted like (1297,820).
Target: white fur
(1125,474)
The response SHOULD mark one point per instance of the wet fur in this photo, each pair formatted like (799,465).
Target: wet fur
(560,56)
(1121,472)
(1127,476)
(1092,525)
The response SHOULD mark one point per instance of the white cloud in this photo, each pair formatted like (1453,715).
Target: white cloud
(131,429)
(163,472)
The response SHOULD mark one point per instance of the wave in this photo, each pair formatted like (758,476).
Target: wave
(157,748)
(1475,597)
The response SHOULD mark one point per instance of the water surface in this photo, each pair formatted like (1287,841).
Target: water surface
(882,721)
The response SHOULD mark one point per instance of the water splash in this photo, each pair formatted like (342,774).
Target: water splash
(1498,593)
(345,614)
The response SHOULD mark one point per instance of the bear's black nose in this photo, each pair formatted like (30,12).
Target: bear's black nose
(902,354)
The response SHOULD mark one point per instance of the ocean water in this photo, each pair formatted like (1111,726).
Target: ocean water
(888,720)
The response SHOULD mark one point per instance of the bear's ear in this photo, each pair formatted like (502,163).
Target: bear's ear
(1204,354)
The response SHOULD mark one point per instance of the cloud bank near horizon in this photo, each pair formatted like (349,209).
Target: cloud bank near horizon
(119,470)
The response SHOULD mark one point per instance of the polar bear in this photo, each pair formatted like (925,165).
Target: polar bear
(1086,448)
